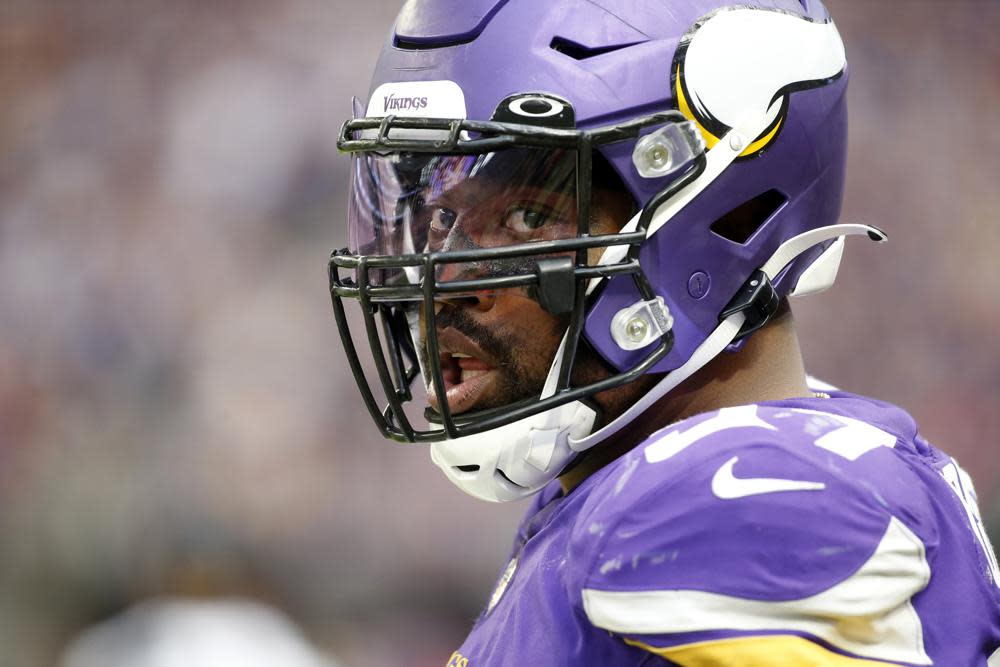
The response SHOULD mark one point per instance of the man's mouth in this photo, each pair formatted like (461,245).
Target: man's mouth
(467,371)
(462,368)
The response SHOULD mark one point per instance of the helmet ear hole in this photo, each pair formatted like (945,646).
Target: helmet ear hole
(606,178)
(739,224)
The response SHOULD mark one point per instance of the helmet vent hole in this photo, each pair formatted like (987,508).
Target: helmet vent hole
(502,477)
(469,468)
(577,51)
(405,44)
(739,224)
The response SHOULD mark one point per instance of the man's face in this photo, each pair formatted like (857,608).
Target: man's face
(496,348)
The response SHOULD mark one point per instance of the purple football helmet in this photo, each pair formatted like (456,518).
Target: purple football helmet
(725,123)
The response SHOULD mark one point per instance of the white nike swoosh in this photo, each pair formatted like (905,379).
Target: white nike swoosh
(726,486)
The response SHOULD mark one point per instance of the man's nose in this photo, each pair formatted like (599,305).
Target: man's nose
(481,301)
(458,271)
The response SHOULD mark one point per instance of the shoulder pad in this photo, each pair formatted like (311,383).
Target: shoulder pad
(748,501)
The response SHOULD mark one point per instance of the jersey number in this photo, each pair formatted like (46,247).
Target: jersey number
(961,484)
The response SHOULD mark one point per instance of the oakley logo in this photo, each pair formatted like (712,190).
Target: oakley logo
(393,103)
(536,107)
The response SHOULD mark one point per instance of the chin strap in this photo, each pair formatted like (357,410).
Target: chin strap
(534,450)
(797,245)
(731,327)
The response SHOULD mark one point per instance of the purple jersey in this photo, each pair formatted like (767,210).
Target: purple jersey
(820,531)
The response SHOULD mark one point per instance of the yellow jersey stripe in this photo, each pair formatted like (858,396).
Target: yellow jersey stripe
(869,614)
(767,651)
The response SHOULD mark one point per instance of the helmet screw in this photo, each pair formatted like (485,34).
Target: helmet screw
(736,142)
(636,329)
(667,149)
(658,156)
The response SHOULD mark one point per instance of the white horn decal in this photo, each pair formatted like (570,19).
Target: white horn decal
(742,60)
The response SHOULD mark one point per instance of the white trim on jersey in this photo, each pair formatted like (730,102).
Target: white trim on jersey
(852,440)
(816,384)
(869,614)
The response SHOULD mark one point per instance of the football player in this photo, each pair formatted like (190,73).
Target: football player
(574,227)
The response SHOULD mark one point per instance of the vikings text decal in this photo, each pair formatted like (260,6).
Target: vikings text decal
(432,99)
(743,61)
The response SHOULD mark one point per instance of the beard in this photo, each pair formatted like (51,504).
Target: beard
(523,355)
(523,352)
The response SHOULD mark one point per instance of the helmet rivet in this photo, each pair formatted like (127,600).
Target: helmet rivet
(636,329)
(658,157)
(667,149)
(736,142)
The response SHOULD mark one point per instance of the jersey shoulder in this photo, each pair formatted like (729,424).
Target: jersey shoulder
(752,511)
(809,495)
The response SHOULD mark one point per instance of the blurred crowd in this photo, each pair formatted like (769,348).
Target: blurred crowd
(175,415)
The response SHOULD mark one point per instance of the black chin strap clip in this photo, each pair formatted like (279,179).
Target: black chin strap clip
(757,300)
(556,290)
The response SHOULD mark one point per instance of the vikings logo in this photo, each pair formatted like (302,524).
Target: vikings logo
(740,61)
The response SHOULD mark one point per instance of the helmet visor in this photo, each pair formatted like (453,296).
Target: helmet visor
(412,203)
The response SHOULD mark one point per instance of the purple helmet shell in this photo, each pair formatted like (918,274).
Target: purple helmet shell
(614,60)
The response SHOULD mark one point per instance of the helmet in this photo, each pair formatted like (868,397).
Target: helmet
(725,123)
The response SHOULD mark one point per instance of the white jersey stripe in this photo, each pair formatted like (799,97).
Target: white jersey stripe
(869,614)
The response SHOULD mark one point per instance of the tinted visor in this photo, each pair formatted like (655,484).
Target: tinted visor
(411,203)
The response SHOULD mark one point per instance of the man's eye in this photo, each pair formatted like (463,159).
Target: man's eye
(443,219)
(522,219)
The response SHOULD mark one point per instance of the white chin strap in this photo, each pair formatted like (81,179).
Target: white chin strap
(516,460)
(726,332)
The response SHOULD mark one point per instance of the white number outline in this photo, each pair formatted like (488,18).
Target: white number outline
(961,484)
(852,440)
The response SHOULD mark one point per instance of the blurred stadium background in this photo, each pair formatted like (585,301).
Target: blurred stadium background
(175,414)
